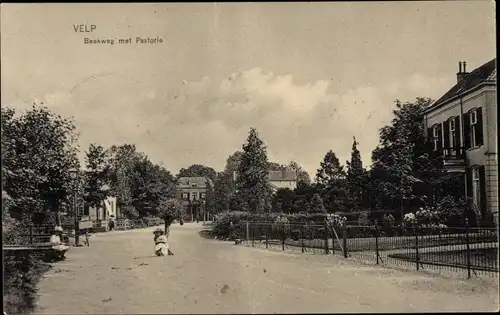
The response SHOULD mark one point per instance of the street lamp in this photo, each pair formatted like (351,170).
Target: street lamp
(104,189)
(204,215)
(74,175)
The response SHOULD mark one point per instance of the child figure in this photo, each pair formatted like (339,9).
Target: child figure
(161,245)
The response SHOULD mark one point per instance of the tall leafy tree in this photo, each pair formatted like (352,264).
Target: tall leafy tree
(197,170)
(404,170)
(225,184)
(150,183)
(38,150)
(96,176)
(302,175)
(355,176)
(253,170)
(330,179)
(122,160)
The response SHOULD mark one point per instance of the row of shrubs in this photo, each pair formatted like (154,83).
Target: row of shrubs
(229,225)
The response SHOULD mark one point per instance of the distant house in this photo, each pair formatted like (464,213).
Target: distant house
(192,191)
(282,179)
(279,179)
(462,125)
(103,213)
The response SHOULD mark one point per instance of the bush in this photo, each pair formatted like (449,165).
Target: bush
(229,224)
(21,272)
(21,275)
(364,219)
(452,212)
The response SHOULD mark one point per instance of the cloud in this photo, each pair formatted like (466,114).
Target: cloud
(206,120)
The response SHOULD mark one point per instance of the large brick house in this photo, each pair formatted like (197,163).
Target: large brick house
(192,191)
(462,124)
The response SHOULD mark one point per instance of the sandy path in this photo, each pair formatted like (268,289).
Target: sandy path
(118,274)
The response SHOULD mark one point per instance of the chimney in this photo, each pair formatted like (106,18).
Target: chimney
(462,72)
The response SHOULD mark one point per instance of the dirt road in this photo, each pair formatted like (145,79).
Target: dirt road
(119,274)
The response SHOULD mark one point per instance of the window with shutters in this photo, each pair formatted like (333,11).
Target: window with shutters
(473,128)
(476,188)
(435,137)
(452,132)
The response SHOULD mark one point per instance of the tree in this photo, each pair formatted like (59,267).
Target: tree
(404,168)
(276,166)
(283,200)
(233,162)
(96,176)
(302,195)
(197,170)
(122,160)
(302,175)
(253,170)
(330,179)
(316,205)
(38,150)
(355,176)
(170,209)
(150,183)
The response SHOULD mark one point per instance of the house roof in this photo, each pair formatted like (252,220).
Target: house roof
(199,181)
(282,176)
(487,73)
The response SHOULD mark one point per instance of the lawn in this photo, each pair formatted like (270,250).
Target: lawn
(396,242)
(480,259)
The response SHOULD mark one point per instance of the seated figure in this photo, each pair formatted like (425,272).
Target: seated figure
(59,248)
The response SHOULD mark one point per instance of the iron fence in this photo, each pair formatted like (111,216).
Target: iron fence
(467,250)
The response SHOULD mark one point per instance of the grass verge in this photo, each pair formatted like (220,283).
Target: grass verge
(22,272)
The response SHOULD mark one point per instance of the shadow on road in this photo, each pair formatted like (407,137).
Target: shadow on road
(208,234)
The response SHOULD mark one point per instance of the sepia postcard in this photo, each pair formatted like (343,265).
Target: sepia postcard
(249,157)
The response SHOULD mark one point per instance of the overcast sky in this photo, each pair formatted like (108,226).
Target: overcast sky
(308,76)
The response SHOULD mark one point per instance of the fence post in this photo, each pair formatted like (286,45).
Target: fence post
(326,238)
(333,238)
(416,230)
(467,242)
(253,235)
(31,234)
(267,238)
(247,233)
(302,237)
(376,242)
(283,237)
(344,240)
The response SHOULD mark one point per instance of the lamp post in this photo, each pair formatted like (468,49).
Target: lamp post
(104,189)
(203,204)
(74,176)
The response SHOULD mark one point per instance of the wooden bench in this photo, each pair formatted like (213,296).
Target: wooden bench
(43,249)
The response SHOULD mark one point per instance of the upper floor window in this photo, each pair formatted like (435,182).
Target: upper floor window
(474,128)
(452,132)
(185,196)
(202,195)
(195,195)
